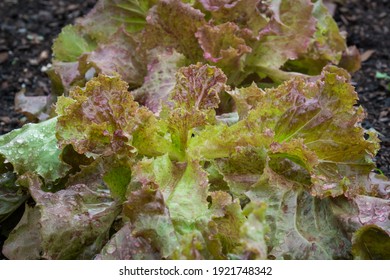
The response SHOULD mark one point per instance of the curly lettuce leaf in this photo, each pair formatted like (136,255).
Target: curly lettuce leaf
(120,55)
(326,45)
(198,86)
(224,46)
(108,15)
(172,23)
(195,96)
(244,13)
(310,130)
(151,218)
(33,148)
(100,118)
(160,80)
(287,35)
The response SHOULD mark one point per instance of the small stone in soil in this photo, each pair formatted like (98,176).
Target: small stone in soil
(3,57)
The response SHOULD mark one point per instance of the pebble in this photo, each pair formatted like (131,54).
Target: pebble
(3,57)
(5,119)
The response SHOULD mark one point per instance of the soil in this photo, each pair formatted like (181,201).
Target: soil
(367,23)
(28,27)
(27,30)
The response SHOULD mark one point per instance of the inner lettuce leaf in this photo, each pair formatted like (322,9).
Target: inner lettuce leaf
(195,96)
(199,223)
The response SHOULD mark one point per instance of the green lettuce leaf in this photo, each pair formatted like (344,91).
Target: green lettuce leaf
(160,171)
(310,128)
(108,15)
(371,243)
(151,219)
(71,44)
(205,225)
(33,148)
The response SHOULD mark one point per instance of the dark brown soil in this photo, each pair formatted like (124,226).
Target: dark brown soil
(27,30)
(28,27)
(367,23)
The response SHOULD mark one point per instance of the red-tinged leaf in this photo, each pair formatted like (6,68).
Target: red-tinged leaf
(172,23)
(100,118)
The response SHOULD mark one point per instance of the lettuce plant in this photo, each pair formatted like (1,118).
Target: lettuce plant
(197,130)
